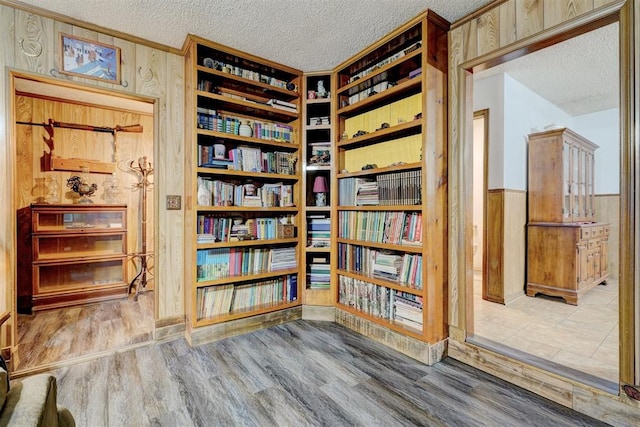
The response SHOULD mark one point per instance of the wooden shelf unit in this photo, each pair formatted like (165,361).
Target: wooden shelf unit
(71,254)
(236,203)
(391,129)
(318,155)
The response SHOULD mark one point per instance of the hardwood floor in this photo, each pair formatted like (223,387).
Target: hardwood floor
(303,373)
(51,336)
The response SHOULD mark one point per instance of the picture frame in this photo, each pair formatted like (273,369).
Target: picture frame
(89,59)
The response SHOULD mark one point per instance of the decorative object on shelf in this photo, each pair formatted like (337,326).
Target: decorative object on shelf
(311,94)
(321,91)
(219,151)
(291,86)
(142,170)
(320,189)
(210,63)
(39,190)
(80,185)
(360,133)
(111,190)
(385,125)
(53,190)
(369,166)
(89,59)
(245,129)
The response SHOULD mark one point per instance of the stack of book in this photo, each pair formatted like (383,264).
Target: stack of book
(407,309)
(387,266)
(283,105)
(319,231)
(318,273)
(282,259)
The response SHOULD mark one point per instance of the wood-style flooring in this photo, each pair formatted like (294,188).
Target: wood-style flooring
(302,373)
(61,334)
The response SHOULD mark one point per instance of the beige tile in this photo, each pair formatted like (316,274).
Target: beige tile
(566,339)
(586,364)
(522,343)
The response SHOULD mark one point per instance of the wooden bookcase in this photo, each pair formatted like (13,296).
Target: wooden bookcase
(318,160)
(567,251)
(243,187)
(391,203)
(71,254)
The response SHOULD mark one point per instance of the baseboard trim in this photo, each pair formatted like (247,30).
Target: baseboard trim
(319,312)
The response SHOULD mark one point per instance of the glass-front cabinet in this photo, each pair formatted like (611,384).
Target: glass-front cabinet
(71,254)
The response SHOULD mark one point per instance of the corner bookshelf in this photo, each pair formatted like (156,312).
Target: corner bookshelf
(242,190)
(318,137)
(391,180)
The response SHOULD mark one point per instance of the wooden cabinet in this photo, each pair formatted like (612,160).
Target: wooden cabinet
(561,177)
(71,254)
(566,248)
(566,260)
(243,187)
(318,161)
(390,205)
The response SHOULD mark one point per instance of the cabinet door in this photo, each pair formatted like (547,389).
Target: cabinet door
(590,191)
(567,192)
(583,266)
(575,179)
(604,256)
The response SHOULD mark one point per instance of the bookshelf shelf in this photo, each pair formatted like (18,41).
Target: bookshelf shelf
(245,278)
(382,135)
(387,94)
(403,89)
(379,282)
(243,188)
(318,127)
(241,243)
(403,248)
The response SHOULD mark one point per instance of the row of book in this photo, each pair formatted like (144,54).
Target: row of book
(399,228)
(219,300)
(214,192)
(219,263)
(213,228)
(405,269)
(318,231)
(384,62)
(244,73)
(402,188)
(212,120)
(379,301)
(249,159)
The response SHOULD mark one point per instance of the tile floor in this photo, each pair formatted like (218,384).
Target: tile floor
(583,337)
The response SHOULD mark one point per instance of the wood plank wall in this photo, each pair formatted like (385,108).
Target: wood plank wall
(494,34)
(29,42)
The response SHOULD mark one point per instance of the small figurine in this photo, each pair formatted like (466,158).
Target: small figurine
(321,92)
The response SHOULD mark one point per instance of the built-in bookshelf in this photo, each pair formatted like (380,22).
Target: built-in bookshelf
(243,185)
(318,175)
(391,163)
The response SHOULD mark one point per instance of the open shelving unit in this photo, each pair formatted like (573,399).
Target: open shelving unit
(243,190)
(391,203)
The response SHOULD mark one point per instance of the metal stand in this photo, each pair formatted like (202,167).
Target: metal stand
(142,170)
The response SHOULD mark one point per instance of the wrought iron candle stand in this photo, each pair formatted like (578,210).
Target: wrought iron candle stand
(142,170)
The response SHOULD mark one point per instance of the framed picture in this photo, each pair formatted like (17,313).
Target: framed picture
(89,59)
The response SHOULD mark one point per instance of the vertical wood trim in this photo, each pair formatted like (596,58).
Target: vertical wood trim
(470,37)
(629,198)
(493,288)
(529,17)
(456,46)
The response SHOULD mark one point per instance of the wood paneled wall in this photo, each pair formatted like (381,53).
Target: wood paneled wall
(499,32)
(29,43)
(608,210)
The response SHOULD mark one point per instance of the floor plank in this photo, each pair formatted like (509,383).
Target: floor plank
(302,373)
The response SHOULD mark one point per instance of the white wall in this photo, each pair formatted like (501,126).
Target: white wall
(525,112)
(603,129)
(515,111)
(489,94)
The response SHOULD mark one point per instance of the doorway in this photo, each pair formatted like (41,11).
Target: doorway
(80,301)
(579,342)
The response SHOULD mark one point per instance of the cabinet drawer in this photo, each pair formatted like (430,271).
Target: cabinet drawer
(79,221)
(72,276)
(585,233)
(78,246)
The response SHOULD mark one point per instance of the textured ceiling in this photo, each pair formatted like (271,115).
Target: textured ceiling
(579,75)
(310,35)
